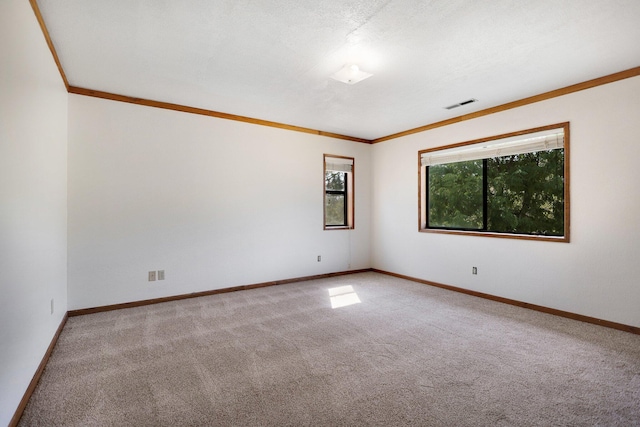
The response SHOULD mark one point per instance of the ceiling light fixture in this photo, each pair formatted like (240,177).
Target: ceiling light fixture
(351,74)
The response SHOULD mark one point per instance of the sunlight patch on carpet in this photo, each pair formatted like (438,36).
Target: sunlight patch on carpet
(343,296)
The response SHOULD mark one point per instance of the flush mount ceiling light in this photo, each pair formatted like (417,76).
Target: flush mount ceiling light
(350,74)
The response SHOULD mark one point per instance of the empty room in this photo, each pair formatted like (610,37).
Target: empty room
(392,212)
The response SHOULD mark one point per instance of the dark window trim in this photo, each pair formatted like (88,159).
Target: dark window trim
(350,185)
(344,193)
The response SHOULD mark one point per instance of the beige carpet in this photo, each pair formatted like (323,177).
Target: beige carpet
(407,354)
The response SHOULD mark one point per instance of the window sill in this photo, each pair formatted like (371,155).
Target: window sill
(557,239)
(338,227)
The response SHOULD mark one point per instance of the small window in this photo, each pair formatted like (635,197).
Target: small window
(514,185)
(338,192)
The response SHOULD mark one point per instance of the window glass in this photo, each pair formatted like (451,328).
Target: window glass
(338,192)
(455,195)
(526,193)
(335,180)
(335,209)
(514,184)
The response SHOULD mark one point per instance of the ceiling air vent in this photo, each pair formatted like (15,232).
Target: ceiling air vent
(460,104)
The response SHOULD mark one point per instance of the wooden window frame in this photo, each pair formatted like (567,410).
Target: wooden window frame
(422,208)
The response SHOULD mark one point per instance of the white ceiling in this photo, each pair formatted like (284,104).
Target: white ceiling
(272,59)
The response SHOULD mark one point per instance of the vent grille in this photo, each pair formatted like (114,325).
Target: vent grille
(460,104)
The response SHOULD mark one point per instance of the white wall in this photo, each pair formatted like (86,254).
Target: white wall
(218,203)
(214,203)
(597,274)
(33,200)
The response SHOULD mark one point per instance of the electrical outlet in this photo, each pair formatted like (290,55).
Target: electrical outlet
(152,276)
(160,274)
(51,305)
(474,270)
(319,258)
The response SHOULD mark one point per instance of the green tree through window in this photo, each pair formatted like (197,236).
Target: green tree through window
(339,172)
(336,198)
(526,193)
(471,187)
(455,195)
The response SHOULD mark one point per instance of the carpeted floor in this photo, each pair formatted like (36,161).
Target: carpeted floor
(406,354)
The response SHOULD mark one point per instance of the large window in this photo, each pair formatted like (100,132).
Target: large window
(338,192)
(514,185)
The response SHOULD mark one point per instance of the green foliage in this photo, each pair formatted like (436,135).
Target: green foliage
(335,180)
(334,210)
(455,195)
(335,203)
(525,194)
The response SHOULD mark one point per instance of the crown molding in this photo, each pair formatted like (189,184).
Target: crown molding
(210,113)
(633,72)
(47,37)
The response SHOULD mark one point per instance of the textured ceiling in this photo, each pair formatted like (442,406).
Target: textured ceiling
(272,59)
